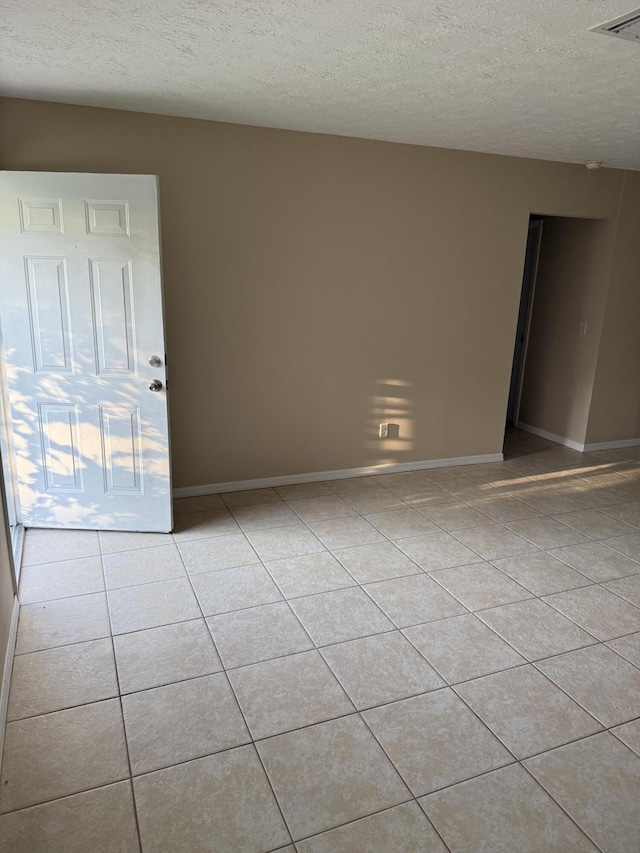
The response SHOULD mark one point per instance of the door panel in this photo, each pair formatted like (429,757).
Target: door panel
(48,306)
(112,302)
(81,313)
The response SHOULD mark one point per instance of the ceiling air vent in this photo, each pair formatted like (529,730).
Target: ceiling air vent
(625,27)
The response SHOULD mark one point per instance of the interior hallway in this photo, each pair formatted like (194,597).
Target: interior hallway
(440,660)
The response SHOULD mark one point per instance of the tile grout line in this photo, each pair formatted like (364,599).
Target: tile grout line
(124,728)
(239,707)
(359,585)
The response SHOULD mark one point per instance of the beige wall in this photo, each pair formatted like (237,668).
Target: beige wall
(303,272)
(571,287)
(615,410)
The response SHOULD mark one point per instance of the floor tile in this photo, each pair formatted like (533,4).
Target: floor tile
(629,734)
(250,497)
(588,494)
(58,754)
(149,605)
(628,647)
(306,575)
(421,494)
(480,585)
(628,588)
(546,532)
(316,794)
(493,541)
(257,634)
(280,542)
(54,679)
(225,797)
(112,541)
(289,687)
(596,561)
(204,525)
(379,669)
(128,568)
(368,563)
(627,545)
(197,503)
(49,546)
(163,655)
(576,776)
(63,579)
(403,829)
(221,552)
(541,573)
(100,820)
(264,516)
(551,502)
(438,551)
(434,740)
(401,523)
(462,647)
(504,508)
(345,532)
(526,711)
(605,684)
(598,611)
(234,589)
(471,490)
(343,614)
(346,485)
(627,512)
(595,524)
(500,812)
(535,629)
(415,599)
(454,516)
(304,490)
(321,508)
(374,500)
(287,693)
(62,622)
(182,721)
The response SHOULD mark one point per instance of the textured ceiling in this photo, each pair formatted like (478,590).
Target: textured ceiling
(523,77)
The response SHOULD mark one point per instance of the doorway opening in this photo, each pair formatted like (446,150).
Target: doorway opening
(556,345)
(523,328)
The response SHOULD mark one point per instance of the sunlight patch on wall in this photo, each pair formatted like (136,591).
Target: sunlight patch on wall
(390,403)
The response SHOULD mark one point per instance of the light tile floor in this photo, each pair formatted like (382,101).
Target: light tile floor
(408,663)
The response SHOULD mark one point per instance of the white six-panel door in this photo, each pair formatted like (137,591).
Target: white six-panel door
(81,313)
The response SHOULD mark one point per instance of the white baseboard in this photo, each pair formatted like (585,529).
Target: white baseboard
(574,445)
(613,445)
(317,476)
(8,666)
(550,436)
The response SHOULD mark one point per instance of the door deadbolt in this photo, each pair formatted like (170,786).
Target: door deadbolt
(156,385)
(155,361)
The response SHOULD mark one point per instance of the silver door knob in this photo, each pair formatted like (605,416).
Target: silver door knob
(156,385)
(155,361)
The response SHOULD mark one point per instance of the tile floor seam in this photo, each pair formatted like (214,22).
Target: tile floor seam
(573,699)
(257,753)
(575,622)
(233,693)
(559,805)
(372,814)
(451,784)
(124,728)
(401,632)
